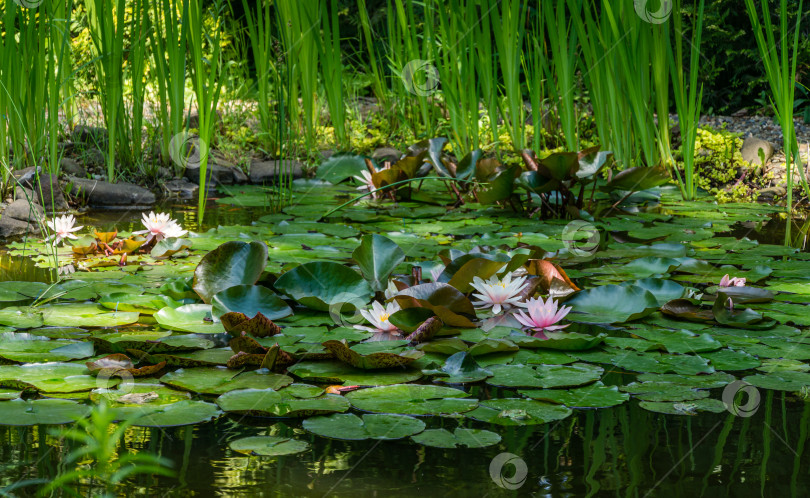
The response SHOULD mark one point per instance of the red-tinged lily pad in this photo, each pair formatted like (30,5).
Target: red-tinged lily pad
(258,326)
(447,302)
(371,361)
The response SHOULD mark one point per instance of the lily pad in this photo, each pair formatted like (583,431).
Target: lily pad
(518,411)
(268,446)
(218,380)
(249,300)
(339,372)
(41,412)
(611,304)
(271,403)
(412,399)
(320,285)
(232,263)
(195,318)
(470,438)
(596,395)
(371,426)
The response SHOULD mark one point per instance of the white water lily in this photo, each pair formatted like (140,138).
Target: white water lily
(391,290)
(378,316)
(367,182)
(63,228)
(496,293)
(160,226)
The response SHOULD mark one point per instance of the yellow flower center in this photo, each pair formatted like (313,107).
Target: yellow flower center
(384,317)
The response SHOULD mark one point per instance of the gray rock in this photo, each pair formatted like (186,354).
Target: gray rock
(111,195)
(11,227)
(94,157)
(751,147)
(182,188)
(72,167)
(386,154)
(44,190)
(89,135)
(265,171)
(24,211)
(215,173)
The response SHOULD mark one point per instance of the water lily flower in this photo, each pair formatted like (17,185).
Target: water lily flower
(497,293)
(63,228)
(391,290)
(732,282)
(367,182)
(160,226)
(542,315)
(378,316)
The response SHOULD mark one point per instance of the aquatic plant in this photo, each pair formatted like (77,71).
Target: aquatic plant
(379,316)
(498,293)
(63,228)
(543,315)
(159,226)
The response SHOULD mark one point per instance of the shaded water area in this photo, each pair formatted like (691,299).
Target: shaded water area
(621,451)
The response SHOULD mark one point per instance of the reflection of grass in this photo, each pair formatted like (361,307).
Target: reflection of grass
(99,444)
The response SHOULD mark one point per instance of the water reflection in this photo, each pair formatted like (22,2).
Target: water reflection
(624,451)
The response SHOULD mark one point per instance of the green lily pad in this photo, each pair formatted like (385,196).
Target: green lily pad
(232,263)
(459,368)
(377,257)
(780,381)
(518,411)
(271,403)
(596,395)
(52,377)
(185,412)
(218,380)
(249,299)
(469,438)
(319,285)
(196,318)
(544,376)
(664,391)
(371,426)
(611,304)
(684,407)
(268,446)
(337,372)
(41,412)
(412,399)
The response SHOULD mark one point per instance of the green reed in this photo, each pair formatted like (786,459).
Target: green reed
(168,40)
(378,83)
(206,78)
(260,28)
(780,61)
(688,97)
(562,70)
(332,71)
(508,28)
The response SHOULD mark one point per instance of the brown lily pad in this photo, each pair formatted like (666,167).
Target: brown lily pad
(114,363)
(246,344)
(687,310)
(371,361)
(259,326)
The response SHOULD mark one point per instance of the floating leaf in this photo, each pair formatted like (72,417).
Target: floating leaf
(319,285)
(249,300)
(232,263)
(268,446)
(412,399)
(470,438)
(370,426)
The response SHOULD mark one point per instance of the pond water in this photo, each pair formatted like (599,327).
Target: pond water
(620,451)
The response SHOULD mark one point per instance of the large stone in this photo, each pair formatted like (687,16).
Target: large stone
(181,188)
(266,171)
(20,217)
(384,154)
(89,135)
(24,211)
(751,147)
(111,195)
(43,189)
(216,174)
(72,167)
(94,157)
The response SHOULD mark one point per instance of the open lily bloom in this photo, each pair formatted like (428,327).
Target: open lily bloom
(498,294)
(378,316)
(160,226)
(63,228)
(367,183)
(543,316)
(732,282)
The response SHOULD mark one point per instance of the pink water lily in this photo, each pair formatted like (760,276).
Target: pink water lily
(732,282)
(378,316)
(63,228)
(367,183)
(160,226)
(542,316)
(498,293)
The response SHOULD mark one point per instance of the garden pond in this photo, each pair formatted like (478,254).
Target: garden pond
(664,383)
